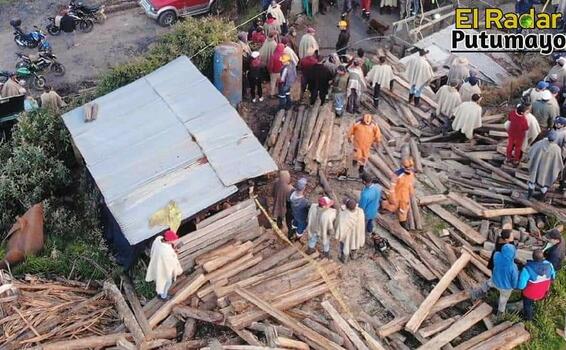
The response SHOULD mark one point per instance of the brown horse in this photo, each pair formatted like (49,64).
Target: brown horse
(25,238)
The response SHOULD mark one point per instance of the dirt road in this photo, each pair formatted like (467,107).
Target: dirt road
(122,37)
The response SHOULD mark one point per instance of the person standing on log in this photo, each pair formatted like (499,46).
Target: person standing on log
(419,73)
(448,99)
(363,135)
(350,230)
(545,164)
(286,81)
(505,237)
(274,68)
(321,225)
(399,199)
(517,127)
(504,278)
(164,265)
(380,75)
(370,201)
(555,248)
(282,190)
(469,89)
(467,117)
(535,280)
(356,86)
(308,44)
(320,76)
(339,87)
(545,111)
(343,40)
(459,70)
(306,65)
(299,209)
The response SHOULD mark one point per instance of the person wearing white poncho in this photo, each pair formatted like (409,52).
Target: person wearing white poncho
(350,230)
(459,70)
(467,117)
(469,89)
(321,225)
(419,73)
(308,44)
(448,98)
(380,76)
(164,265)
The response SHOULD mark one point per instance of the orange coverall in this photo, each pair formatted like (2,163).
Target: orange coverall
(363,137)
(399,199)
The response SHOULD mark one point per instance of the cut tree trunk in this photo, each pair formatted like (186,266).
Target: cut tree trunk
(483,336)
(343,324)
(124,311)
(506,340)
(466,229)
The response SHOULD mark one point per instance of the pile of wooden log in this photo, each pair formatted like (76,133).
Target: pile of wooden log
(36,310)
(309,138)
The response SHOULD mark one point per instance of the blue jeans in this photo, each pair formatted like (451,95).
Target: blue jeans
(339,102)
(313,240)
(416,7)
(369,226)
(284,97)
(300,227)
(416,91)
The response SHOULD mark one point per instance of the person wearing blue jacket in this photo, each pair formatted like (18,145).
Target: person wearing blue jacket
(504,277)
(535,280)
(370,200)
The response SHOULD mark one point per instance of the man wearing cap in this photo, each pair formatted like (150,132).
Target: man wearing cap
(299,209)
(448,99)
(286,81)
(469,89)
(419,73)
(535,280)
(308,44)
(11,87)
(339,87)
(399,199)
(350,230)
(534,94)
(380,75)
(545,164)
(459,70)
(321,225)
(164,265)
(343,40)
(545,111)
(560,70)
(255,77)
(467,117)
(555,248)
(319,81)
(363,135)
(370,201)
(517,127)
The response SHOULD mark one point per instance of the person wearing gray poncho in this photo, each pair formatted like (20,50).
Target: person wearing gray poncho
(545,164)
(545,111)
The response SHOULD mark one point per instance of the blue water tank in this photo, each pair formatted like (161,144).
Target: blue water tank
(228,71)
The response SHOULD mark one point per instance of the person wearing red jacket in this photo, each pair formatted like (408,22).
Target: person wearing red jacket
(517,131)
(366,8)
(305,65)
(274,68)
(535,281)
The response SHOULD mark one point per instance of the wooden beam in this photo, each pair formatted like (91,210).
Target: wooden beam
(433,199)
(136,306)
(466,229)
(483,336)
(506,340)
(424,310)
(198,314)
(325,332)
(434,328)
(288,321)
(492,213)
(459,327)
(124,311)
(344,326)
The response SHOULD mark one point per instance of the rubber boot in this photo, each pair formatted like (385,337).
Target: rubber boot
(354,254)
(405,225)
(530,193)
(417,101)
(310,251)
(411,96)
(326,255)
(376,103)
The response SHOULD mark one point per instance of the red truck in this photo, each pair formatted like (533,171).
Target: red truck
(166,12)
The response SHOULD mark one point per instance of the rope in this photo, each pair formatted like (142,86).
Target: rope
(331,285)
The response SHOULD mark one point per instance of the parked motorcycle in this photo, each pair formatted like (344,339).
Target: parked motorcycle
(41,62)
(24,74)
(84,25)
(94,12)
(29,40)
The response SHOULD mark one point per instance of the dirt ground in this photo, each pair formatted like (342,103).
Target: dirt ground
(123,36)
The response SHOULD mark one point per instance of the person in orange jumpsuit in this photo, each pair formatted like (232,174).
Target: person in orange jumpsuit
(364,134)
(399,199)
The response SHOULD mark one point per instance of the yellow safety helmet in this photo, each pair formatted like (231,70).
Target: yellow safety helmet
(285,58)
(342,24)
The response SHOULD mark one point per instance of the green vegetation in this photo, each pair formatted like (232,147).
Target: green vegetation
(193,37)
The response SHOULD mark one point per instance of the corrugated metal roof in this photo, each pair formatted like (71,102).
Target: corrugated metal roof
(169,136)
(440,46)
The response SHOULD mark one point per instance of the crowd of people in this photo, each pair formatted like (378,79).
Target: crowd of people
(49,99)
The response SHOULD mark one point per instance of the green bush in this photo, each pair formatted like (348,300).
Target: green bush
(193,37)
